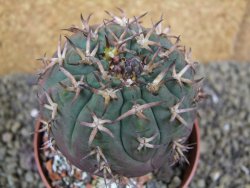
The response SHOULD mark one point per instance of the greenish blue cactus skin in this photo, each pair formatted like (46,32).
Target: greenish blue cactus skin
(121,150)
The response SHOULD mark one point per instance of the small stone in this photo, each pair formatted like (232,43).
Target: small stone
(25,162)
(235,145)
(29,177)
(227,150)
(151,184)
(2,153)
(34,113)
(12,152)
(246,133)
(215,175)
(176,181)
(8,125)
(11,168)
(19,171)
(225,180)
(24,184)
(7,137)
(226,127)
(40,185)
(203,147)
(201,183)
(24,132)
(245,170)
(15,127)
(17,144)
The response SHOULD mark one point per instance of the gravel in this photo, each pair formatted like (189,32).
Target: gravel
(224,123)
(7,137)
(18,100)
(225,127)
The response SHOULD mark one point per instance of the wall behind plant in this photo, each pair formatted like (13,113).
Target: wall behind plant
(216,30)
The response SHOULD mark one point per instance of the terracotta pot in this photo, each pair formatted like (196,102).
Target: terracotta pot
(37,144)
(193,156)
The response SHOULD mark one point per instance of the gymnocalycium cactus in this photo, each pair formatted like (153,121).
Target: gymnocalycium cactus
(119,99)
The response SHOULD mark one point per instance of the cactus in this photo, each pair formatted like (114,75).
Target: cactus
(119,99)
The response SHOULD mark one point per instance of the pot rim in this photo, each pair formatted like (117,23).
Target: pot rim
(193,156)
(36,143)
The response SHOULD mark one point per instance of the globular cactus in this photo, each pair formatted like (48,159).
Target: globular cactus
(119,99)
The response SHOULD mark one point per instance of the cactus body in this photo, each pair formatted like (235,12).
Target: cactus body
(118,96)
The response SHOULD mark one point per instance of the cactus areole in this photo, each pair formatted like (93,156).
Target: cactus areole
(118,99)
